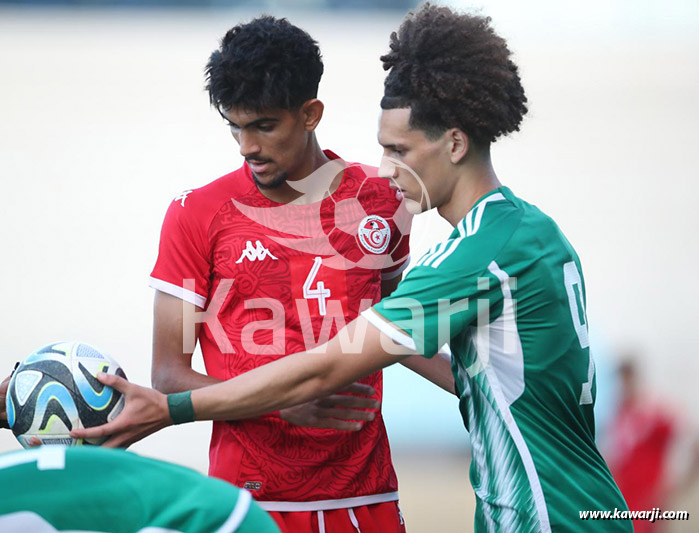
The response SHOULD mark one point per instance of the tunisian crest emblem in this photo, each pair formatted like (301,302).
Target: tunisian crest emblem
(374,233)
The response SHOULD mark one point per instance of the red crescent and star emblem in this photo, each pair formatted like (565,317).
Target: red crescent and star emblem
(374,233)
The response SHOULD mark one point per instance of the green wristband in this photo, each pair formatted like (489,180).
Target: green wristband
(180,407)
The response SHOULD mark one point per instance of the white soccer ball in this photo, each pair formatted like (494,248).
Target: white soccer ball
(55,390)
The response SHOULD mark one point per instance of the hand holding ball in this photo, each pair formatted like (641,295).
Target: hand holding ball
(55,390)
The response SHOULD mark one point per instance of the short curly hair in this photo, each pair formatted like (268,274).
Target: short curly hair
(267,63)
(453,70)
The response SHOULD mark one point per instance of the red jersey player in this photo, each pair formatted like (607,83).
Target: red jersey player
(642,440)
(282,253)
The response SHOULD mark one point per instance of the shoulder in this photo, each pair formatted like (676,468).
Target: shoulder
(196,208)
(159,473)
(539,235)
(210,197)
(478,238)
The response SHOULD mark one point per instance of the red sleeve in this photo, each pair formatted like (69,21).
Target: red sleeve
(185,252)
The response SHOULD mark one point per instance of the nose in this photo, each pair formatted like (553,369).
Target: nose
(387,168)
(248,144)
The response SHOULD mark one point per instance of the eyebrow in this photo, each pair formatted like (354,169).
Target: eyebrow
(254,123)
(392,146)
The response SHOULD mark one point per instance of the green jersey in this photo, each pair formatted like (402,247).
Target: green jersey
(90,489)
(506,293)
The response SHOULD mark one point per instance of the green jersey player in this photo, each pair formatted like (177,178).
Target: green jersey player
(505,292)
(54,488)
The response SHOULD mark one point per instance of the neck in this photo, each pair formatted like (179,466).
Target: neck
(474,179)
(312,160)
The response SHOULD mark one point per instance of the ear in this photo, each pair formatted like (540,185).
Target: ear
(312,112)
(459,145)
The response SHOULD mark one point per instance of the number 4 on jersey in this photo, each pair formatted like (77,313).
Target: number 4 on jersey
(572,279)
(320,292)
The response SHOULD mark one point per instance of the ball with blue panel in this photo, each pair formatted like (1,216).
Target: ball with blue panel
(55,390)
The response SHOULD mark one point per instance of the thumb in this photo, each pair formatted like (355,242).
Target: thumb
(113,381)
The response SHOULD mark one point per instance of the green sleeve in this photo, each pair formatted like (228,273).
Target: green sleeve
(433,305)
(453,286)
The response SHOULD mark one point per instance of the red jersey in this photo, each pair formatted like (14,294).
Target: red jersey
(277,279)
(641,437)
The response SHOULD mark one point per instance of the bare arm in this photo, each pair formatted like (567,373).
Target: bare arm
(172,372)
(292,380)
(172,362)
(437,370)
(297,378)
(389,285)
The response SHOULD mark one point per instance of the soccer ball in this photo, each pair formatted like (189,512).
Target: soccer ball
(55,390)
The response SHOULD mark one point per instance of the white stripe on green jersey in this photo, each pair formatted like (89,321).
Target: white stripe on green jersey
(505,291)
(90,489)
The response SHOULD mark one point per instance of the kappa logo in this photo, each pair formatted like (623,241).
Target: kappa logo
(374,233)
(255,253)
(182,197)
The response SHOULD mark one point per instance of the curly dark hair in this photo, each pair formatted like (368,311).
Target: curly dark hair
(267,63)
(453,70)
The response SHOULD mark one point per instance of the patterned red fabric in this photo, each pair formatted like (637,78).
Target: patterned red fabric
(288,264)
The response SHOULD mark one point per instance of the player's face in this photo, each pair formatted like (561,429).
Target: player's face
(419,167)
(272,142)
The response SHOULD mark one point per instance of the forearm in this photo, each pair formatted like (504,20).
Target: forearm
(268,388)
(294,379)
(169,380)
(290,381)
(437,369)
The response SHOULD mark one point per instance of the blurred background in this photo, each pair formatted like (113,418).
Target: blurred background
(103,120)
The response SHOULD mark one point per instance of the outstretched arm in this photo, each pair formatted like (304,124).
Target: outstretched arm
(298,378)
(290,381)
(172,372)
(437,369)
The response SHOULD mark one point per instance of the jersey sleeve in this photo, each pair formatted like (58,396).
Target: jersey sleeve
(430,307)
(183,267)
(454,286)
